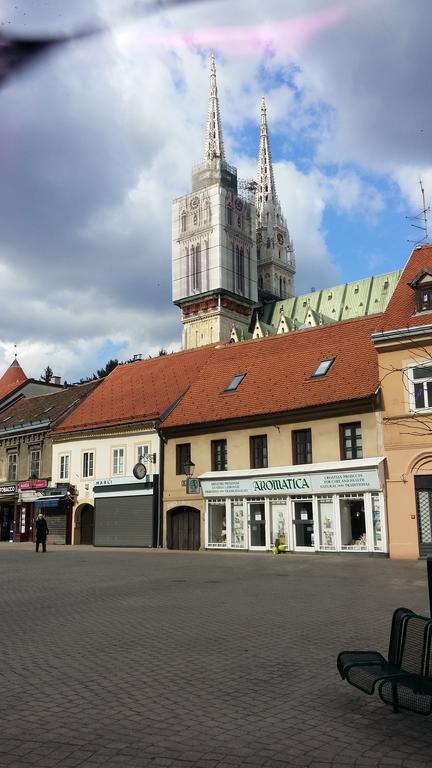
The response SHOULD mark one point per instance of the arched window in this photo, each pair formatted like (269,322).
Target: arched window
(280,286)
(229,214)
(183,221)
(260,282)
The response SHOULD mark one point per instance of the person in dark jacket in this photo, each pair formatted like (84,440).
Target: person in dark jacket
(41,532)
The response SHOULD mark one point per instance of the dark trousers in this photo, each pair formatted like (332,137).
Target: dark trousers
(41,541)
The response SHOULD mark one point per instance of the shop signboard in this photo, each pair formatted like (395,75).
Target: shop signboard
(31,485)
(6,490)
(288,485)
(192,485)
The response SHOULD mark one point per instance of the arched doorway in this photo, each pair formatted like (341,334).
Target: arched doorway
(184,528)
(84,524)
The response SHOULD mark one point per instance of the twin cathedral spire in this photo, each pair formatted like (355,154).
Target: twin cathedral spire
(231,246)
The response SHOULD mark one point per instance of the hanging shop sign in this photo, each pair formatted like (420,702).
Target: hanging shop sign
(31,485)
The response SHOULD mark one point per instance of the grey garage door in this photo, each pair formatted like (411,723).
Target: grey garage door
(126,521)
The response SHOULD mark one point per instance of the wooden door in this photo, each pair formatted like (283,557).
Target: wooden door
(184,529)
(87,525)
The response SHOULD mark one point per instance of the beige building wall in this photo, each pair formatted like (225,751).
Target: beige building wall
(325,447)
(407,441)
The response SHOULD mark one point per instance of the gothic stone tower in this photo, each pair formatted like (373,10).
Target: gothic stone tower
(214,244)
(275,252)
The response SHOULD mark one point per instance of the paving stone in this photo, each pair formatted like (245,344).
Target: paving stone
(146,663)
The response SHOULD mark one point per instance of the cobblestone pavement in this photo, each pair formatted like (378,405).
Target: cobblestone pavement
(125,658)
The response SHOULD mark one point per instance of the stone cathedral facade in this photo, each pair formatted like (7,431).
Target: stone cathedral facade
(231,246)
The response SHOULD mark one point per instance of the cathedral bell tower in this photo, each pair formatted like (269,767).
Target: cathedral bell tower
(214,266)
(275,252)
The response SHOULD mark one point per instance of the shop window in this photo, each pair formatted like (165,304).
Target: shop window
(183,456)
(219,456)
(351,440)
(377,522)
(302,446)
(353,523)
(64,467)
(88,464)
(12,466)
(118,456)
(326,523)
(34,468)
(258,451)
(422,384)
(237,525)
(217,524)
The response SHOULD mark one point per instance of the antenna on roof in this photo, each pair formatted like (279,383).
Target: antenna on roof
(421,216)
(15,346)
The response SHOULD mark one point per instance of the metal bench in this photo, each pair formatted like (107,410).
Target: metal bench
(404,679)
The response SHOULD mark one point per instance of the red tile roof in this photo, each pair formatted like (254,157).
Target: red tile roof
(137,392)
(278,374)
(11,379)
(401,309)
(44,409)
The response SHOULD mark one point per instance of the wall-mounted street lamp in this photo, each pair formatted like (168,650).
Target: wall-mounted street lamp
(188,467)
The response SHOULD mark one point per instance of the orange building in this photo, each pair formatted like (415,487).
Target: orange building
(403,340)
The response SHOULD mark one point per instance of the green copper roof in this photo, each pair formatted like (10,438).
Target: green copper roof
(340,302)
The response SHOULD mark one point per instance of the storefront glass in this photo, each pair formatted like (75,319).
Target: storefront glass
(237,524)
(353,522)
(377,522)
(279,518)
(326,518)
(217,524)
(303,524)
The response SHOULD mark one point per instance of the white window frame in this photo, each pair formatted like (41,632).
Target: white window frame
(64,475)
(118,461)
(88,475)
(142,452)
(413,382)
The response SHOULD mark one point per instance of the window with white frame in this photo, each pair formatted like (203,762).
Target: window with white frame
(64,461)
(88,464)
(118,456)
(142,453)
(34,469)
(422,386)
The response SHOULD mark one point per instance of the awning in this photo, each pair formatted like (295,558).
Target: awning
(49,501)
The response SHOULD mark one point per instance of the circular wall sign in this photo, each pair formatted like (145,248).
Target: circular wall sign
(139,471)
(194,202)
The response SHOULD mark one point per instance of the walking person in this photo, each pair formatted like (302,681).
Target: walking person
(41,532)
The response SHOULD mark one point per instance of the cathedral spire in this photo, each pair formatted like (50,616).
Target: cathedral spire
(266,185)
(214,146)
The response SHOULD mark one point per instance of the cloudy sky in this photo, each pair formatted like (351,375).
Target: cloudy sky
(99,137)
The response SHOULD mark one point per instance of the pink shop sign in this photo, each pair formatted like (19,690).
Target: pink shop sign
(31,485)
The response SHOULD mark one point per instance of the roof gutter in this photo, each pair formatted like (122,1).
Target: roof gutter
(402,333)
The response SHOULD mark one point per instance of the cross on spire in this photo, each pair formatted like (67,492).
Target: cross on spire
(214,146)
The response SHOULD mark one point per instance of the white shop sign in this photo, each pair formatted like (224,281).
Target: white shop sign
(288,485)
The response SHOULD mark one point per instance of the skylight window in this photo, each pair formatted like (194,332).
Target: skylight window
(323,367)
(234,383)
